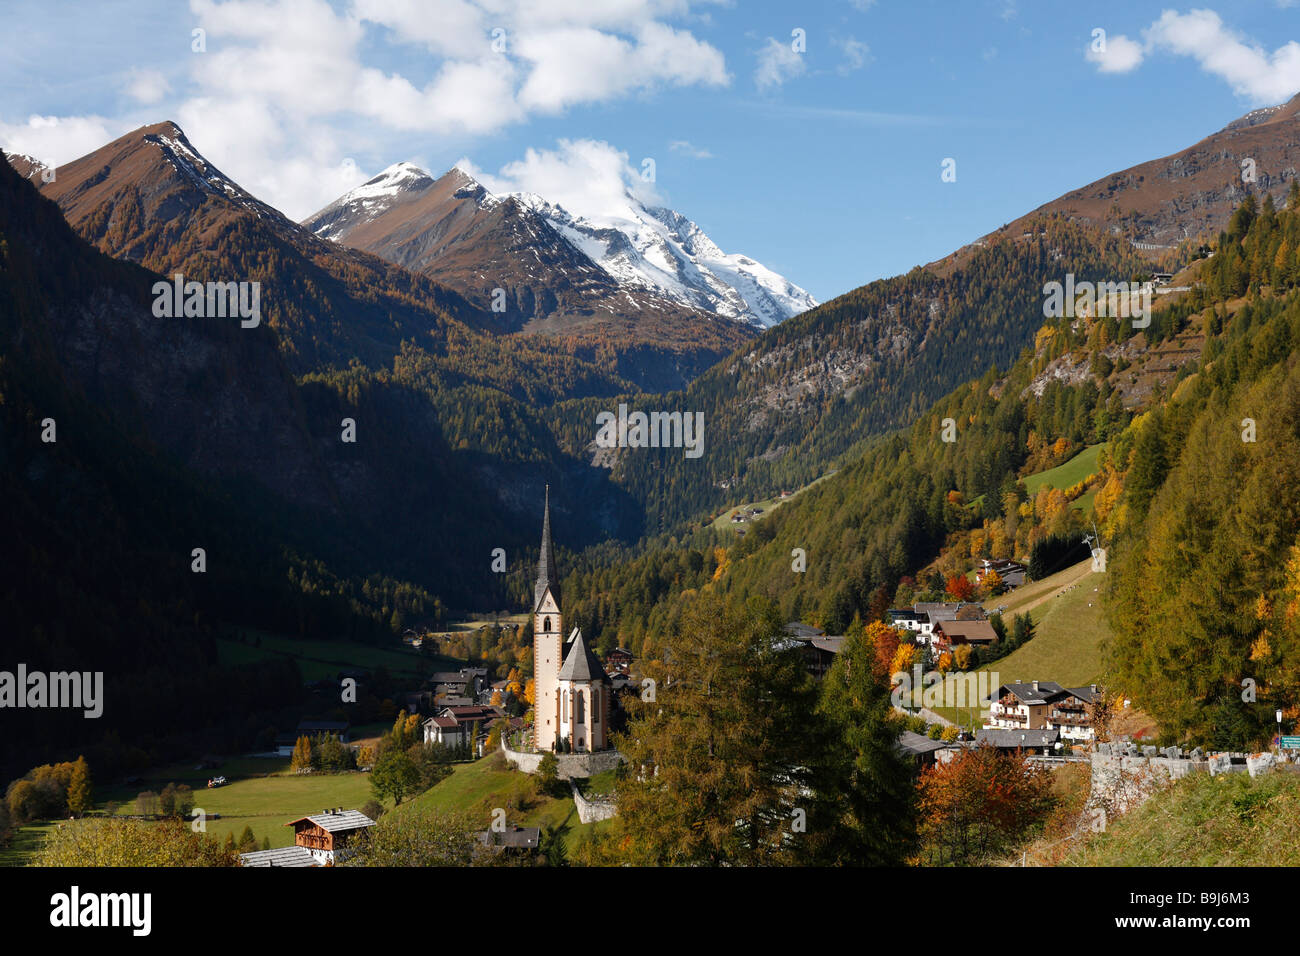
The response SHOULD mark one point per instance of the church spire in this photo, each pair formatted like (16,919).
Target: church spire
(546,573)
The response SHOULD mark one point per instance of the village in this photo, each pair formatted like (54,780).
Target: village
(579,702)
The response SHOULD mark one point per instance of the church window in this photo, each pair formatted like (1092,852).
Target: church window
(581,712)
(595,706)
(546,624)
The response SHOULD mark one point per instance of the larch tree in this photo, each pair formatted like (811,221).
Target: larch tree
(79,794)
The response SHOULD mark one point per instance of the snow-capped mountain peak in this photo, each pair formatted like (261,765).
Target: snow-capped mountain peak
(641,247)
(370,200)
(661,250)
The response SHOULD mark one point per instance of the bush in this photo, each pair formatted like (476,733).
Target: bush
(99,841)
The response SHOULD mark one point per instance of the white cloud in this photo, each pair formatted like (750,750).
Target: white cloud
(1119,54)
(777,62)
(147,86)
(56,140)
(1251,70)
(287,88)
(856,55)
(587,177)
(689,149)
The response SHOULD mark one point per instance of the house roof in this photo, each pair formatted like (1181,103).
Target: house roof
(830,644)
(937,611)
(446,723)
(1015,739)
(1088,695)
(323,725)
(342,821)
(1026,693)
(526,838)
(969,631)
(581,664)
(283,856)
(802,630)
(468,714)
(449,677)
(903,614)
(918,744)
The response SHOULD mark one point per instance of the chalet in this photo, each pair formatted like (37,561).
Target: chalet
(1073,713)
(934,613)
(458,725)
(1012,573)
(948,634)
(322,839)
(466,682)
(819,653)
(443,731)
(618,656)
(1022,706)
(931,613)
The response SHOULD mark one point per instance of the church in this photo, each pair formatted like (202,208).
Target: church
(571,701)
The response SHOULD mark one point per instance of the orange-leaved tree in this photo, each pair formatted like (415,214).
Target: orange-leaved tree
(979,805)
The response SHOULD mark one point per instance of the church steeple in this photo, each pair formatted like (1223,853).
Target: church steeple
(546,572)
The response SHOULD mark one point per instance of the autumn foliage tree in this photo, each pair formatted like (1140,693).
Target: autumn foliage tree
(959,588)
(884,643)
(980,805)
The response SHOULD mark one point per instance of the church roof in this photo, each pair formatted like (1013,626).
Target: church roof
(546,568)
(580,664)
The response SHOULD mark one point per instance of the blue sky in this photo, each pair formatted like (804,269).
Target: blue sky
(823,164)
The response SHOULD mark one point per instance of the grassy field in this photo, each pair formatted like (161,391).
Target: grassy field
(322,660)
(480,787)
(724,520)
(1071,473)
(262,794)
(267,803)
(1068,630)
(1228,820)
(1031,595)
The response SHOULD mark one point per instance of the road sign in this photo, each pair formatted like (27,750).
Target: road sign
(1289,743)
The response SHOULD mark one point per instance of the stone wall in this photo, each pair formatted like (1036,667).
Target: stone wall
(570,765)
(589,811)
(1124,775)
